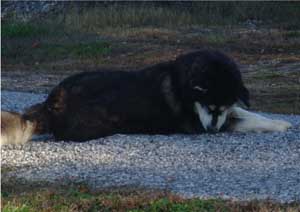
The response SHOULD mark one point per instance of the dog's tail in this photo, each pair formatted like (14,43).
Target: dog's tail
(18,128)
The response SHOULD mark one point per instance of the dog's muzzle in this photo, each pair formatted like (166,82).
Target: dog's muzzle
(209,123)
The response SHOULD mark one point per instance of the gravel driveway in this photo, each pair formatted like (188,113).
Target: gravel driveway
(228,165)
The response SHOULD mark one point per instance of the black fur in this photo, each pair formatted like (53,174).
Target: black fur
(155,100)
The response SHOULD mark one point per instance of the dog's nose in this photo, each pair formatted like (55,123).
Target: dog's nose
(212,130)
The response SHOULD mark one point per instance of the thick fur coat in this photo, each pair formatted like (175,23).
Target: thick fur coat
(197,92)
(155,100)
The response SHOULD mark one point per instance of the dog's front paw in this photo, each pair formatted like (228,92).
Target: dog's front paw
(281,126)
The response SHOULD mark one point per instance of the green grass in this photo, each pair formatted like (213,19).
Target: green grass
(80,50)
(75,198)
(9,207)
(80,198)
(293,34)
(35,51)
(87,32)
(216,39)
(28,43)
(164,204)
(21,30)
(268,75)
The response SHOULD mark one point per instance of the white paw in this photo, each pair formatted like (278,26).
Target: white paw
(281,126)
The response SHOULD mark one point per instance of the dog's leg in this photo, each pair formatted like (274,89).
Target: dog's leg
(245,121)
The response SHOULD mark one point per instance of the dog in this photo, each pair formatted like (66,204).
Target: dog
(201,91)
(15,129)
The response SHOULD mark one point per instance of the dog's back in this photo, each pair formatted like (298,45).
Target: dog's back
(14,129)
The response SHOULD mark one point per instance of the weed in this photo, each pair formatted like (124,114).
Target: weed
(215,38)
(10,207)
(80,198)
(21,30)
(54,51)
(268,75)
(79,50)
(292,34)
(188,14)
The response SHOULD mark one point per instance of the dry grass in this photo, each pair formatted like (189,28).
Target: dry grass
(81,198)
(270,58)
(35,58)
(275,89)
(96,17)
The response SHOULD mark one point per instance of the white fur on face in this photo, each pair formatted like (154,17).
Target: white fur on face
(206,117)
(221,119)
(203,114)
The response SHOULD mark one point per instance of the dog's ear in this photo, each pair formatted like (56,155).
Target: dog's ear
(244,96)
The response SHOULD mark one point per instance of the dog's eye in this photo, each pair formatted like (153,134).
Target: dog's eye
(200,89)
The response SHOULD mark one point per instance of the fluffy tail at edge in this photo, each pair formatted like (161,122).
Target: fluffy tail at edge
(19,128)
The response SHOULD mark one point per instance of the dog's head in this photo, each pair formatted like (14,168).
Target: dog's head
(37,114)
(213,84)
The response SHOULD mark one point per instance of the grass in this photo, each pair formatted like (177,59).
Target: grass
(178,15)
(21,30)
(92,32)
(12,208)
(31,43)
(274,90)
(36,50)
(80,198)
(132,35)
(216,39)
(267,75)
(293,34)
(80,50)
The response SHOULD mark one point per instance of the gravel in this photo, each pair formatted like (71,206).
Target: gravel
(240,166)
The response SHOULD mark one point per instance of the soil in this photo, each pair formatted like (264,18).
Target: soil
(269,60)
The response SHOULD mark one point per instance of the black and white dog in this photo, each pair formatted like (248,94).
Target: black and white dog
(198,92)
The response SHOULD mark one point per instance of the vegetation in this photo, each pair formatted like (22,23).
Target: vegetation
(80,198)
(128,36)
(184,14)
(263,37)
(94,31)
(17,30)
(94,16)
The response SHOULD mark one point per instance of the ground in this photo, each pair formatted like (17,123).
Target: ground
(269,59)
(37,57)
